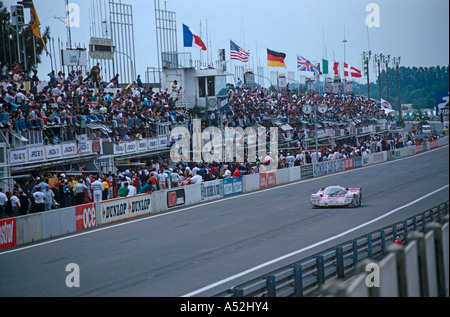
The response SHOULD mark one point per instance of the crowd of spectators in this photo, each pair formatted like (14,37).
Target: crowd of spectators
(69,99)
(70,189)
(248,106)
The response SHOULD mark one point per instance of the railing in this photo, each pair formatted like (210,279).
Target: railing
(305,278)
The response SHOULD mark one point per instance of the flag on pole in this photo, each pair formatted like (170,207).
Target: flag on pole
(35,23)
(324,66)
(386,106)
(336,68)
(238,53)
(191,39)
(305,65)
(352,70)
(275,59)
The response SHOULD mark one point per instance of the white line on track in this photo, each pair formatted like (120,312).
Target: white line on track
(228,279)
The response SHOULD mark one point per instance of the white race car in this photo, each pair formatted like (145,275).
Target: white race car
(337,196)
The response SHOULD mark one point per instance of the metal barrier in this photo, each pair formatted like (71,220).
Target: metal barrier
(307,277)
(418,269)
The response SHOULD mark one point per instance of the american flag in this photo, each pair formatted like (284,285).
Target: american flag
(304,65)
(238,53)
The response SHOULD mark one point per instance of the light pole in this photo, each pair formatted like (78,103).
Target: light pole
(345,77)
(386,59)
(132,65)
(264,77)
(378,59)
(366,59)
(396,62)
(298,88)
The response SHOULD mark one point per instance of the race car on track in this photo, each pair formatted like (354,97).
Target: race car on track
(336,196)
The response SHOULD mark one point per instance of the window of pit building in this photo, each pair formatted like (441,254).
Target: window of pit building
(211,86)
(2,152)
(221,86)
(207,86)
(201,87)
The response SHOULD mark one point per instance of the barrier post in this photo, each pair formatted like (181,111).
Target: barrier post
(394,232)
(383,241)
(424,222)
(298,280)
(399,253)
(238,293)
(422,262)
(340,262)
(270,284)
(320,270)
(369,247)
(405,229)
(439,253)
(355,252)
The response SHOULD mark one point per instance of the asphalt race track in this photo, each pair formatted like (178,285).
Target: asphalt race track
(204,249)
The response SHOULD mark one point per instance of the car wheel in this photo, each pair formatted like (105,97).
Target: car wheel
(355,202)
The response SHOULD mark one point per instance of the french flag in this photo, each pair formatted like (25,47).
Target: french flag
(191,39)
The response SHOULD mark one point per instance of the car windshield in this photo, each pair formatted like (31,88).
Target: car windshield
(334,190)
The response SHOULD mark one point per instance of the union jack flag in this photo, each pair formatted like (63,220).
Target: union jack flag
(304,65)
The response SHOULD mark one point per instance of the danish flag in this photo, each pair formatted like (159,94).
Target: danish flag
(353,71)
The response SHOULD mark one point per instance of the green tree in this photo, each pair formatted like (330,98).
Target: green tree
(421,117)
(417,85)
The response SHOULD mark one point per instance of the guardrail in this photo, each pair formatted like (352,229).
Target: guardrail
(308,276)
(421,268)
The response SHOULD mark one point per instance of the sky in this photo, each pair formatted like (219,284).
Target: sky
(415,30)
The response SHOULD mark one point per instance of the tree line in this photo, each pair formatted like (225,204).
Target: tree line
(417,85)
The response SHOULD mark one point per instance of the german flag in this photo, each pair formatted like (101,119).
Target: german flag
(275,59)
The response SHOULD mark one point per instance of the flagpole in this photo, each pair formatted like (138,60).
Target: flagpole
(231,61)
(201,35)
(345,77)
(34,50)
